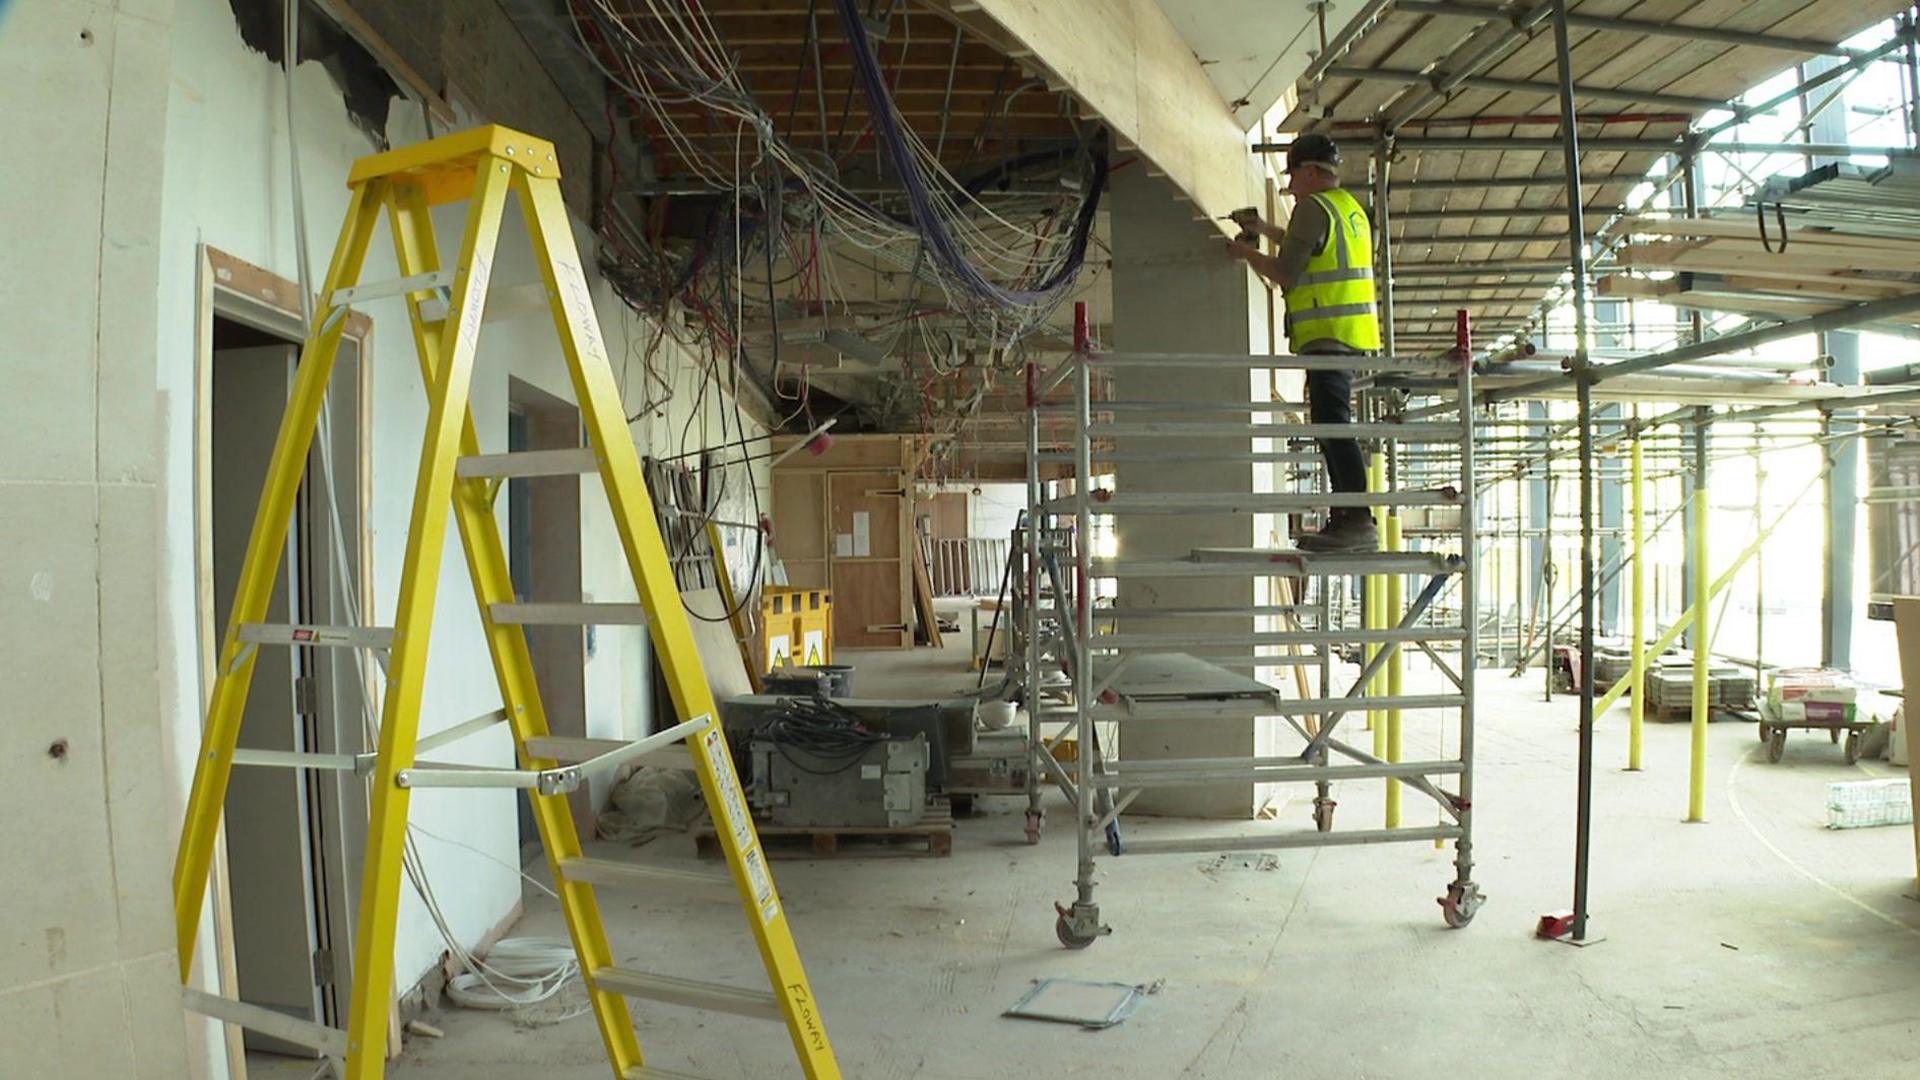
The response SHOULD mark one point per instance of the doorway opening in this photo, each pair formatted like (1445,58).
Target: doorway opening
(293,836)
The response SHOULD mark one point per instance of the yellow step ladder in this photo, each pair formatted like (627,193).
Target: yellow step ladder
(482,166)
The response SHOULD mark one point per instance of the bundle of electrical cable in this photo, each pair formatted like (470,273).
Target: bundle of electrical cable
(824,729)
(675,58)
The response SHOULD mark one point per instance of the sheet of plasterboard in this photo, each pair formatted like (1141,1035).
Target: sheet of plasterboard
(719,652)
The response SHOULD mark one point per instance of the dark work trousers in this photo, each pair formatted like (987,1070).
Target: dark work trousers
(1330,401)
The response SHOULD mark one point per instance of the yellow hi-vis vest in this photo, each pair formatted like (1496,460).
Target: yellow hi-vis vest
(1333,300)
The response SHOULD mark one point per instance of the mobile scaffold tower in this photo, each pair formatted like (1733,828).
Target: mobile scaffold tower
(1089,667)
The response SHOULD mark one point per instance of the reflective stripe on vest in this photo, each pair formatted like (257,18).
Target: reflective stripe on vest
(1334,298)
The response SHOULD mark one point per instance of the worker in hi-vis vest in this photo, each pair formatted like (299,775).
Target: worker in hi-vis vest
(1325,270)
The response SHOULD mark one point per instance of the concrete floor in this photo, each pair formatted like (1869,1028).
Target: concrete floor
(1756,945)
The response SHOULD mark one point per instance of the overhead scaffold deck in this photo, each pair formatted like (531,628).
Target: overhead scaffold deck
(1127,664)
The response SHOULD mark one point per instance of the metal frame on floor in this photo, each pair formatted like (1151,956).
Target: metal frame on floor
(1058,618)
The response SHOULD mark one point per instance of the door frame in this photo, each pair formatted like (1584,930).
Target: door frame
(236,290)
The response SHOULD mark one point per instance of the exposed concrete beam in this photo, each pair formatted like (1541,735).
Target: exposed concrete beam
(1124,61)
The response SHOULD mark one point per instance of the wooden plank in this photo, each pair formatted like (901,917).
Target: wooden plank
(923,600)
(719,652)
(1733,256)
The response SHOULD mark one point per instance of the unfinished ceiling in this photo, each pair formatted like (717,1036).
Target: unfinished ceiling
(1443,77)
(1252,50)
(905,210)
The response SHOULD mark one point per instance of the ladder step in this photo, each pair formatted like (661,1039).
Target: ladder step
(648,1072)
(336,637)
(572,750)
(569,462)
(690,993)
(374,290)
(561,614)
(634,876)
(332,1042)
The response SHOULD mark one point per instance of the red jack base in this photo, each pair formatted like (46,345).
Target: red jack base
(1554,926)
(1558,926)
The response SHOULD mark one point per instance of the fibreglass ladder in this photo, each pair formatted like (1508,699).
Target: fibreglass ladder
(482,166)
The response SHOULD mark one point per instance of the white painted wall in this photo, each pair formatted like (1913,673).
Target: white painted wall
(89,983)
(157,131)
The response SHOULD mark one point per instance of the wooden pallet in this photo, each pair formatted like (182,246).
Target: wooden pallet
(932,837)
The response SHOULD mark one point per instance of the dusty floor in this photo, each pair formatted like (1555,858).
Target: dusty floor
(1757,945)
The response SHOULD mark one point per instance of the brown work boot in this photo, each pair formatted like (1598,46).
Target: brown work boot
(1347,533)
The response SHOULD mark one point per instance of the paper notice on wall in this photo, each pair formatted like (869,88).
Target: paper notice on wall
(862,534)
(843,545)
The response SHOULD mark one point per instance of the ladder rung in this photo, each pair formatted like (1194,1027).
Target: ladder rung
(360,764)
(568,462)
(635,876)
(1278,564)
(573,749)
(1239,708)
(1248,502)
(648,1072)
(374,290)
(1278,637)
(1279,841)
(556,614)
(336,637)
(1421,431)
(1276,362)
(329,1041)
(1176,773)
(691,993)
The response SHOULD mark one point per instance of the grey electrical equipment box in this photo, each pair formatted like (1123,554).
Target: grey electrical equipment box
(885,787)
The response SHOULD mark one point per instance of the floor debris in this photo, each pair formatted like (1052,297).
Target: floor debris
(1093,1005)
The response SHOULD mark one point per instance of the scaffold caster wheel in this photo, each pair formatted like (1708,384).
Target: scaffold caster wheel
(1777,745)
(1035,819)
(1460,904)
(1323,814)
(1064,931)
(1853,747)
(1764,732)
(1073,931)
(1113,839)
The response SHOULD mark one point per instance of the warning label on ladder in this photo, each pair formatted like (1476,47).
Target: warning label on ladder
(734,804)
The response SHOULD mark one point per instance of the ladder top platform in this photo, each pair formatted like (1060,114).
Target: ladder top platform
(445,166)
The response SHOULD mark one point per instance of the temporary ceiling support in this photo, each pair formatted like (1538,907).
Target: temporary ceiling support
(1127,63)
(1521,86)
(1554,183)
(1484,13)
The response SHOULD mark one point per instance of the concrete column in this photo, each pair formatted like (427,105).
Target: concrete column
(1176,290)
(1838,599)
